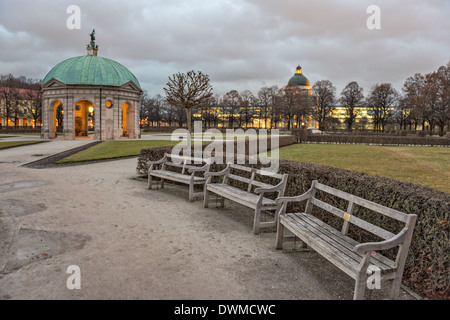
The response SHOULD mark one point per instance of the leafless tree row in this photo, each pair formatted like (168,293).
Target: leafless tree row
(19,98)
(423,103)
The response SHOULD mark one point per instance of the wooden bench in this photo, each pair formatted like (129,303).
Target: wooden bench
(186,176)
(251,197)
(358,260)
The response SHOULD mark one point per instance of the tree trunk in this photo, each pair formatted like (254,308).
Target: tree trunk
(189,119)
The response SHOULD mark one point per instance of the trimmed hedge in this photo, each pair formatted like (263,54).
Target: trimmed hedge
(419,139)
(427,270)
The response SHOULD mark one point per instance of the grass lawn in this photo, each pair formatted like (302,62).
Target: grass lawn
(425,166)
(116,149)
(153,133)
(13,144)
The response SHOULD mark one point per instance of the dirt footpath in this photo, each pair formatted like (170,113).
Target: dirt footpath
(133,243)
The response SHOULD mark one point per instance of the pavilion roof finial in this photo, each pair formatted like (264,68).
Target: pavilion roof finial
(92,48)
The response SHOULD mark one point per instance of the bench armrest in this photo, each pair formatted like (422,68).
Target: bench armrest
(383,245)
(273,189)
(300,198)
(150,162)
(216,174)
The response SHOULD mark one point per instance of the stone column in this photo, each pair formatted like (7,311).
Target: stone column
(45,130)
(118,119)
(69,130)
(137,124)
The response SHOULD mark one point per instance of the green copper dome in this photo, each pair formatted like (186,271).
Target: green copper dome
(299,79)
(91,70)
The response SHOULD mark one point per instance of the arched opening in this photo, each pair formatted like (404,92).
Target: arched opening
(56,125)
(125,109)
(84,118)
(128,118)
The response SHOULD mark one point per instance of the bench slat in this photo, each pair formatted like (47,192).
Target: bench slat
(238,178)
(178,177)
(257,171)
(190,159)
(392,213)
(342,240)
(330,253)
(332,246)
(248,181)
(353,220)
(240,196)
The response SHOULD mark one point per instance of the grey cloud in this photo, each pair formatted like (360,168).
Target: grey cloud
(240,44)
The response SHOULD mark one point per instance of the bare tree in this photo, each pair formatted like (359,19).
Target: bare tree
(157,109)
(211,112)
(232,102)
(351,98)
(324,93)
(188,91)
(441,106)
(248,100)
(382,101)
(415,96)
(292,105)
(9,94)
(403,114)
(144,109)
(266,101)
(20,96)
(34,106)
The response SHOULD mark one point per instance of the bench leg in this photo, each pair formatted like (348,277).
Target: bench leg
(360,288)
(280,236)
(256,221)
(191,193)
(361,279)
(162,183)
(150,181)
(205,198)
(395,289)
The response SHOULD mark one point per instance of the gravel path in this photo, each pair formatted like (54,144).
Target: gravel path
(133,243)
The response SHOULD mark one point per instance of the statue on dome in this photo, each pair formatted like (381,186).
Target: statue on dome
(92,44)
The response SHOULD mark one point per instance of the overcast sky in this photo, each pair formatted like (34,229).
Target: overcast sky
(245,44)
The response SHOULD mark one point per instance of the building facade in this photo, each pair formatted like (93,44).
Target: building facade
(18,108)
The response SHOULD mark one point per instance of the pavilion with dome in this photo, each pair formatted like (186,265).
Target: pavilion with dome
(90,96)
